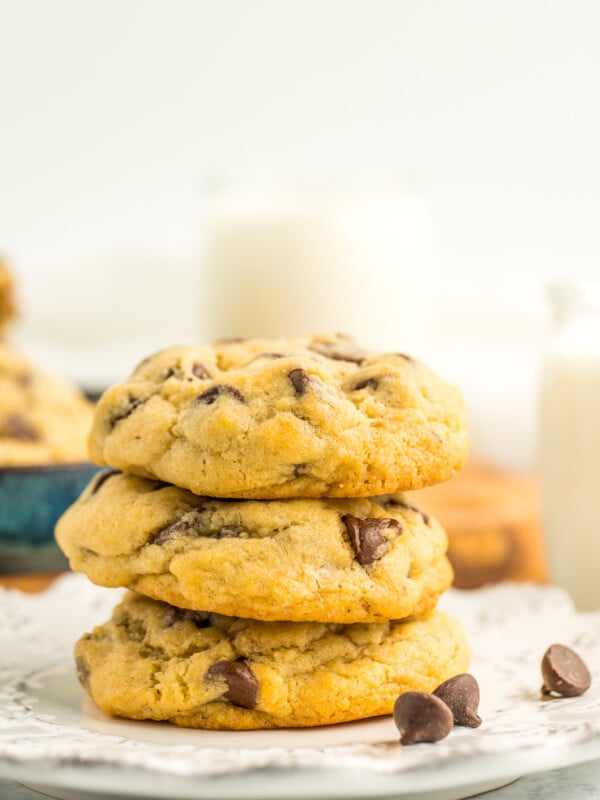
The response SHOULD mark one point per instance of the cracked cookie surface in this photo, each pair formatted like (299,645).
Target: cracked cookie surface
(153,661)
(336,560)
(43,419)
(266,419)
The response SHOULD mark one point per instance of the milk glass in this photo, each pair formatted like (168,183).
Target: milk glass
(570,442)
(293,256)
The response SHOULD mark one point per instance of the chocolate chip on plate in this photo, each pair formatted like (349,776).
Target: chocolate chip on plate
(367,538)
(241,682)
(461,695)
(564,672)
(422,717)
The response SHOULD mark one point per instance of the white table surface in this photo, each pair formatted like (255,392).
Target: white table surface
(572,783)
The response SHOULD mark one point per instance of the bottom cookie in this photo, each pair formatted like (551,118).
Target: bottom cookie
(155,661)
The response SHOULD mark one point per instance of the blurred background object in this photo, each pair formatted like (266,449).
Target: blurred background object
(569,458)
(287,255)
(493,524)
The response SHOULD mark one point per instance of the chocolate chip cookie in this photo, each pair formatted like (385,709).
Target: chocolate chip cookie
(154,661)
(268,419)
(42,419)
(7,299)
(323,560)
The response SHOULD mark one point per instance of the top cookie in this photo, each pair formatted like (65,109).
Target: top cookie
(264,419)
(43,420)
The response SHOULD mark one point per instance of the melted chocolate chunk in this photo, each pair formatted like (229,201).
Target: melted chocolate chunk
(300,380)
(171,372)
(159,485)
(339,351)
(368,383)
(15,427)
(102,478)
(83,672)
(301,469)
(367,538)
(200,371)
(242,684)
(564,672)
(173,615)
(461,695)
(212,394)
(187,523)
(422,717)
(229,532)
(133,403)
(402,504)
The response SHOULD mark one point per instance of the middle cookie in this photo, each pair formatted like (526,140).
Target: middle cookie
(320,560)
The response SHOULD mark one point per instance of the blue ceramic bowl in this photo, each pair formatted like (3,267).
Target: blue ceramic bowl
(31,501)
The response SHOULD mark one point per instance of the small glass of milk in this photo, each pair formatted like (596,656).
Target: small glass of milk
(293,256)
(570,442)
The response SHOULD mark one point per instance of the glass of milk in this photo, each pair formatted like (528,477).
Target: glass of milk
(570,442)
(294,256)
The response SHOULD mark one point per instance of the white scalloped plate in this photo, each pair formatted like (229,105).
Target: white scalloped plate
(55,739)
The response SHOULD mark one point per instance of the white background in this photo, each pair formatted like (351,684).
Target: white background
(113,113)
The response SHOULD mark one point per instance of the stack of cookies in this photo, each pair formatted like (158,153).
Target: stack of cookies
(278,577)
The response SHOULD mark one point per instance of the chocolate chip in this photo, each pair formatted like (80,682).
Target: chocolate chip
(130,407)
(392,501)
(368,383)
(200,371)
(242,684)
(171,372)
(422,717)
(339,351)
(102,478)
(229,532)
(173,615)
(564,672)
(15,427)
(157,485)
(301,469)
(211,394)
(461,695)
(367,538)
(300,380)
(188,522)
(83,672)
